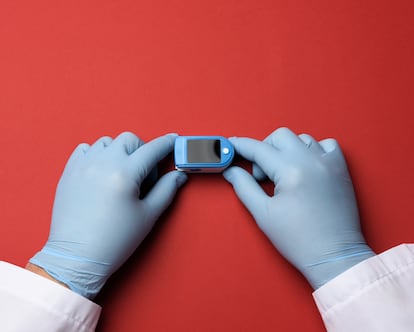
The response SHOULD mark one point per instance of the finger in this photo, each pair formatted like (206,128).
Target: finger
(148,155)
(283,138)
(258,174)
(333,150)
(79,151)
(100,144)
(329,145)
(247,190)
(162,194)
(127,142)
(260,153)
(311,143)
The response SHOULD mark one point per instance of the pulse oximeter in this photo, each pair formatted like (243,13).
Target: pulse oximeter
(202,154)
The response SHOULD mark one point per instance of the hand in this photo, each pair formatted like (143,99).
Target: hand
(312,218)
(98,218)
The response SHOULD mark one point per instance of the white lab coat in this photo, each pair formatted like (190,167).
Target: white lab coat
(375,295)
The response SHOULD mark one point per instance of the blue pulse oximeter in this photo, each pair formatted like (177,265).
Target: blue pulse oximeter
(202,154)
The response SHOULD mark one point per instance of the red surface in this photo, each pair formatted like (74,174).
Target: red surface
(72,71)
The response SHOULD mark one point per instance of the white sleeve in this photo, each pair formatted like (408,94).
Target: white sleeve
(374,295)
(29,302)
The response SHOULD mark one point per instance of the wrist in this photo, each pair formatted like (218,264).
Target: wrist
(82,276)
(41,272)
(323,271)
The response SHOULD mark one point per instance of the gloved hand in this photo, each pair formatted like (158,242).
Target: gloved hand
(312,218)
(98,218)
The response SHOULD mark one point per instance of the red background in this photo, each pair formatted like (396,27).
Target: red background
(71,71)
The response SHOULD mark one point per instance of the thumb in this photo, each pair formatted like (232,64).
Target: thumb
(248,191)
(163,192)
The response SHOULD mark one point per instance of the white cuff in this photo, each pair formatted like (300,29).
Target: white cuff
(42,303)
(376,292)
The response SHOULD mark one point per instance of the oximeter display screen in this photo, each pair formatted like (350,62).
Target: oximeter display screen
(203,151)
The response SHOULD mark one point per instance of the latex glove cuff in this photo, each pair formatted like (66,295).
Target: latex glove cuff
(84,277)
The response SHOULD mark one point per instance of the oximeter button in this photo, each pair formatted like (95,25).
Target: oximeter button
(226,150)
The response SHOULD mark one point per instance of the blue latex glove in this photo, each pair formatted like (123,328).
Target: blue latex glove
(312,218)
(98,218)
